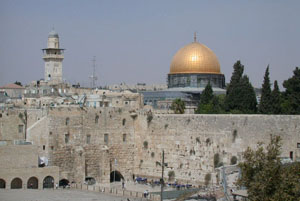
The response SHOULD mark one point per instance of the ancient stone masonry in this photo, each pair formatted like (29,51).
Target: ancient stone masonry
(94,142)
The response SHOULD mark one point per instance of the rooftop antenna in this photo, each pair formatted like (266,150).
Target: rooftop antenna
(195,36)
(94,77)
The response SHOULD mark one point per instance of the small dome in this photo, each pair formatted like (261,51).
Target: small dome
(195,58)
(53,34)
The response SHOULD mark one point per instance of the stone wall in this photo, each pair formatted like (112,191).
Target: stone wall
(18,156)
(93,142)
(87,141)
(10,121)
(190,142)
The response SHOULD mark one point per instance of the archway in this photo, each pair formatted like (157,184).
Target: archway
(116,176)
(63,183)
(90,180)
(33,183)
(48,182)
(2,183)
(16,183)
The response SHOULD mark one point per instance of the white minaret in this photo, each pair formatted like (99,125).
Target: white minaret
(53,57)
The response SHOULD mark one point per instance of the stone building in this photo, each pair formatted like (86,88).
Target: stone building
(19,167)
(14,91)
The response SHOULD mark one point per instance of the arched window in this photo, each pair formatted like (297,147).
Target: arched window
(2,183)
(116,176)
(48,182)
(33,183)
(96,119)
(16,183)
(64,183)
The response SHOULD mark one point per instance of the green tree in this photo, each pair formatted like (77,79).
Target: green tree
(18,83)
(265,105)
(178,106)
(263,174)
(276,99)
(209,103)
(291,96)
(207,94)
(240,94)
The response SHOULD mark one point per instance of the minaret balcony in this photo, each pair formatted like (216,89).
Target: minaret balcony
(53,56)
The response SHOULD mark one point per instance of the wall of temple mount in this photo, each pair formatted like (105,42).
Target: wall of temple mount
(86,142)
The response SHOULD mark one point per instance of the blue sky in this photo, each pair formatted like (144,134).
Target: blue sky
(134,41)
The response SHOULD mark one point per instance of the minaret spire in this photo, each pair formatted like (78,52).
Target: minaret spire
(195,37)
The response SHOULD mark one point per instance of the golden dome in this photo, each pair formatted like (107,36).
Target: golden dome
(195,58)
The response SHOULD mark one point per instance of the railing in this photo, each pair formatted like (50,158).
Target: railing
(57,56)
(115,192)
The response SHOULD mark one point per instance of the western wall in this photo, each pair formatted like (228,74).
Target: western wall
(94,142)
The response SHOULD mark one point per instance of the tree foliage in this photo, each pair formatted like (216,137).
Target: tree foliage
(209,103)
(240,94)
(178,106)
(18,83)
(276,99)
(265,178)
(291,96)
(265,105)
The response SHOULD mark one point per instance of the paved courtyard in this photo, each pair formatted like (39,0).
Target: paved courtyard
(57,195)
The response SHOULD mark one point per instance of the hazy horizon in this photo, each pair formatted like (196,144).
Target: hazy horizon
(134,41)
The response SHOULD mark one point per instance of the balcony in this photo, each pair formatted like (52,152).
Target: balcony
(53,56)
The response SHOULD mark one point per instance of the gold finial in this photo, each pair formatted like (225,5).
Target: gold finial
(195,37)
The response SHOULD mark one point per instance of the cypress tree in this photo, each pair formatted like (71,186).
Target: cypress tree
(265,105)
(209,103)
(291,104)
(275,96)
(240,94)
(231,95)
(247,95)
(207,94)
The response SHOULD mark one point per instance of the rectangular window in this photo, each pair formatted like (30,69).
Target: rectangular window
(21,128)
(124,137)
(52,147)
(44,147)
(106,138)
(88,139)
(67,137)
(298,145)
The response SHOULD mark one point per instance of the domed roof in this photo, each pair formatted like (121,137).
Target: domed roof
(53,34)
(195,58)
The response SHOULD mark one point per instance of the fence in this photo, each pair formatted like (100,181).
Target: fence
(116,192)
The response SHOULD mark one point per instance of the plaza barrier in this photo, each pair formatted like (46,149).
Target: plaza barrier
(115,191)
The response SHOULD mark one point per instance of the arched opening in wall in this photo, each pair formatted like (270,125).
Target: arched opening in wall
(116,176)
(63,183)
(90,180)
(48,182)
(2,183)
(16,183)
(33,183)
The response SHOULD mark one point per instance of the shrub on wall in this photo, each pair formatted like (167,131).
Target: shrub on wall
(145,144)
(207,179)
(233,160)
(149,117)
(217,162)
(171,175)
